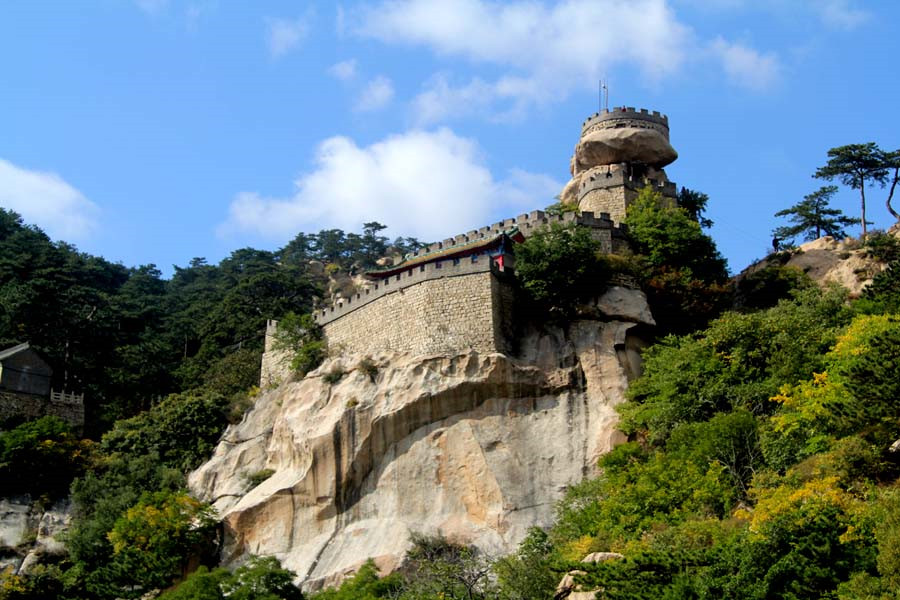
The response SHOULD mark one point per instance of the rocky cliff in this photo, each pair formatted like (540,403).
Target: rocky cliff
(475,447)
(829,261)
(29,532)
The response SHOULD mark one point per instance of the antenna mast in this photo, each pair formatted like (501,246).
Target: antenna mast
(604,95)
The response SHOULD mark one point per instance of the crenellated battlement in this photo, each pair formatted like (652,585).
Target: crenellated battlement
(526,223)
(610,236)
(626,117)
(414,275)
(603,181)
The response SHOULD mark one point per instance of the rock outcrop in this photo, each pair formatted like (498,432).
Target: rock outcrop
(476,447)
(829,261)
(28,532)
(624,145)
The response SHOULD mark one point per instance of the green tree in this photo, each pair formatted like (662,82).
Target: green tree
(694,203)
(365,585)
(440,569)
(153,539)
(261,578)
(812,217)
(528,574)
(685,277)
(560,267)
(41,457)
(857,165)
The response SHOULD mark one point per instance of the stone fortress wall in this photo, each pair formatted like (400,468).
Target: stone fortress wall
(463,310)
(610,236)
(453,304)
(612,192)
(447,305)
(68,407)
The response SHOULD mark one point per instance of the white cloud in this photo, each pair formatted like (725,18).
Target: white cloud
(46,200)
(377,94)
(428,184)
(549,51)
(283,35)
(344,70)
(152,7)
(840,14)
(745,66)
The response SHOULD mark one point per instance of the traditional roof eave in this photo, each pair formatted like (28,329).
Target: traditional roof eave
(447,253)
(4,354)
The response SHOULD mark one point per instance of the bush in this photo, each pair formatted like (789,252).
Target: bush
(333,376)
(560,267)
(261,578)
(182,430)
(153,540)
(257,477)
(364,585)
(301,335)
(41,458)
(684,275)
(368,368)
(764,288)
(882,246)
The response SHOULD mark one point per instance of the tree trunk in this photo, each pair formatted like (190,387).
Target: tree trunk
(862,194)
(891,194)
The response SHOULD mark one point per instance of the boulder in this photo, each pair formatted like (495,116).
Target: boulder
(569,590)
(625,304)
(625,145)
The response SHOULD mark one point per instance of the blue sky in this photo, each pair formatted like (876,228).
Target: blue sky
(155,131)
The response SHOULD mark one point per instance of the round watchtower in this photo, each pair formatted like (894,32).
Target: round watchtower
(618,118)
(625,135)
(619,152)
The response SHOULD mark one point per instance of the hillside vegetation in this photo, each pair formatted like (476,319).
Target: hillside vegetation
(759,461)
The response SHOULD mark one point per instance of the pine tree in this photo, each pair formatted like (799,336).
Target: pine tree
(856,165)
(812,217)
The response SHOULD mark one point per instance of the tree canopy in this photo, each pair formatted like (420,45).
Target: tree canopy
(859,165)
(812,217)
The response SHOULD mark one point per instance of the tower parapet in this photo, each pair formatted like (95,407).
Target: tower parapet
(619,152)
(626,117)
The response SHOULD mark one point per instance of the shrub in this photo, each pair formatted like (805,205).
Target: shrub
(182,430)
(301,335)
(153,539)
(684,275)
(261,578)
(41,457)
(257,477)
(368,368)
(333,376)
(882,246)
(559,267)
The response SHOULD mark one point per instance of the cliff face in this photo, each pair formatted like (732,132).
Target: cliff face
(476,447)
(28,532)
(829,261)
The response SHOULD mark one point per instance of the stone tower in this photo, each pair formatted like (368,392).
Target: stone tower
(620,151)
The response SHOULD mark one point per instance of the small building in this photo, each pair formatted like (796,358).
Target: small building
(26,393)
(23,371)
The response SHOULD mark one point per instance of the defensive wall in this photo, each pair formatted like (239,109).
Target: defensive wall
(68,407)
(613,192)
(463,306)
(445,305)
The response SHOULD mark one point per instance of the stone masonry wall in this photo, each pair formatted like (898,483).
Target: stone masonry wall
(29,407)
(275,363)
(435,316)
(609,200)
